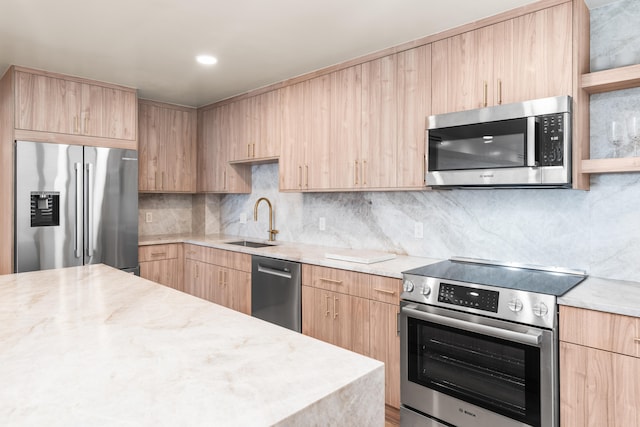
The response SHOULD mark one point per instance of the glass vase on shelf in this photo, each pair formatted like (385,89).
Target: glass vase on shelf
(615,133)
(633,131)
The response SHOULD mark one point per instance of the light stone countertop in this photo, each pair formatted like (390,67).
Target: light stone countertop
(95,346)
(298,252)
(612,296)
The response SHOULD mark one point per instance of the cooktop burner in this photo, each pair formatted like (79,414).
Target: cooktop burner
(555,283)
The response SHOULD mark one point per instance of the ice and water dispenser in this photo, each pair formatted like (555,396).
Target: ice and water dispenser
(45,208)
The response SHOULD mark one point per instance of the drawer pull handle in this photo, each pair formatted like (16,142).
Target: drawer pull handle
(337,282)
(637,340)
(158,253)
(385,291)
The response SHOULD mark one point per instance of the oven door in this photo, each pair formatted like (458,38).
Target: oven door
(470,370)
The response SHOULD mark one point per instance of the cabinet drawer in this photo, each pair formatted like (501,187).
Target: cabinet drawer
(157,252)
(221,257)
(331,279)
(604,331)
(385,289)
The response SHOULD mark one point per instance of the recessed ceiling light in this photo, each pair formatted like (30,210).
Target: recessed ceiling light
(206,59)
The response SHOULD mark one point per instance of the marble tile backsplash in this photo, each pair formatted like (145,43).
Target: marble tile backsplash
(171,213)
(596,230)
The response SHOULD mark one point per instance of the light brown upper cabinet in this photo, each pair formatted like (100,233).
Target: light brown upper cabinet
(260,138)
(56,104)
(217,133)
(167,148)
(523,58)
(414,105)
(358,128)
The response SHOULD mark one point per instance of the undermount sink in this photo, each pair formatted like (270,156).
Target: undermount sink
(250,244)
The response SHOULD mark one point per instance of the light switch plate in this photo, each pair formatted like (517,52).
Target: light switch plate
(148,217)
(322,224)
(243,218)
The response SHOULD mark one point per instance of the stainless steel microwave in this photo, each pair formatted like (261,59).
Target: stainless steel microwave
(525,144)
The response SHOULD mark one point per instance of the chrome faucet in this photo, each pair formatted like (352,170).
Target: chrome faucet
(272,231)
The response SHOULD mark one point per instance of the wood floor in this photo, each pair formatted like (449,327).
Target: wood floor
(391,416)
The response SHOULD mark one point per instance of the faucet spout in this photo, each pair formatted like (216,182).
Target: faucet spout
(272,231)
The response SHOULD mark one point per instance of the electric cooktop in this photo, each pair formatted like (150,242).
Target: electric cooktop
(543,280)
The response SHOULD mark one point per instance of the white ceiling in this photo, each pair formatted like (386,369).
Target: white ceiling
(151,44)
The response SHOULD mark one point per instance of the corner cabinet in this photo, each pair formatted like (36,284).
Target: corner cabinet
(599,369)
(358,312)
(57,108)
(167,148)
(218,133)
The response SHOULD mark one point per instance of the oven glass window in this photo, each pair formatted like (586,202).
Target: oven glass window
(495,374)
(480,146)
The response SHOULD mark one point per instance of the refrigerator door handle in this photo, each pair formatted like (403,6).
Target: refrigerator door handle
(78,240)
(88,200)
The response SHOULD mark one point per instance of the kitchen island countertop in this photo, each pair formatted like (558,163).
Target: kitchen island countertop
(95,346)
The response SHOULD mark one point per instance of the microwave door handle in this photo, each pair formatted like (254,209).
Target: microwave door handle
(531,143)
(530,338)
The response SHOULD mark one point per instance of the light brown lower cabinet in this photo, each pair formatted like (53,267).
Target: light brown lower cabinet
(599,369)
(358,312)
(208,274)
(162,264)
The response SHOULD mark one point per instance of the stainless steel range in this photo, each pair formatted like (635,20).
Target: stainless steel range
(479,344)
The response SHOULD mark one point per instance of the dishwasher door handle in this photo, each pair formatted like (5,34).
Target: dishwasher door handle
(274,272)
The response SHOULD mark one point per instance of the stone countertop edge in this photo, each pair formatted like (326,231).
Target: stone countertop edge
(93,345)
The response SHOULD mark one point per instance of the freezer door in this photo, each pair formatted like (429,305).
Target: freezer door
(48,206)
(111,207)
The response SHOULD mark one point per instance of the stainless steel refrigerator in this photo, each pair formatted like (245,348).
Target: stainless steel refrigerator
(75,205)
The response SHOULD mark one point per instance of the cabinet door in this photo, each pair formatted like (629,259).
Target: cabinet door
(263,131)
(198,280)
(345,141)
(47,104)
(317,318)
(414,105)
(163,271)
(295,125)
(237,284)
(317,169)
(537,58)
(379,154)
(384,346)
(350,322)
(216,133)
(118,114)
(598,388)
(180,150)
(152,154)
(466,80)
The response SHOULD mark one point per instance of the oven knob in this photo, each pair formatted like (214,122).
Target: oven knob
(515,305)
(426,290)
(407,286)
(540,309)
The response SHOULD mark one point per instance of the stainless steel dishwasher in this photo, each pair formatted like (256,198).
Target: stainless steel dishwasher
(276,293)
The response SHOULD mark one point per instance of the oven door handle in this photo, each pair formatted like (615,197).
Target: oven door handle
(530,338)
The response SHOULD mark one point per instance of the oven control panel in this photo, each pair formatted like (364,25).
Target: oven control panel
(480,299)
(525,307)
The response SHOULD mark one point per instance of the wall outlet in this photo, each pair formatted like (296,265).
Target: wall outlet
(418,230)
(322,224)
(243,218)
(148,217)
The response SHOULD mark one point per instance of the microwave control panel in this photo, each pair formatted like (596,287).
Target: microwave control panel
(551,139)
